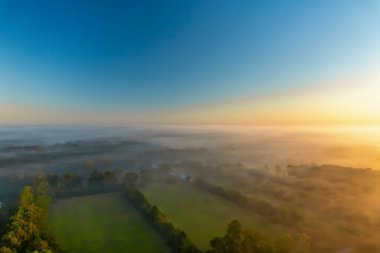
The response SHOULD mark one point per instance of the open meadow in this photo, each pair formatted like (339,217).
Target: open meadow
(102,223)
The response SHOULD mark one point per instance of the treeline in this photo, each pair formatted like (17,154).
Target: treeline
(283,216)
(239,240)
(28,229)
(236,240)
(175,238)
(74,185)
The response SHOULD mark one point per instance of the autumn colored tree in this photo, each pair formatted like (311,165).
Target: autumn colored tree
(28,227)
(238,240)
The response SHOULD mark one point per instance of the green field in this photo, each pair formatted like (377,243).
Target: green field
(102,223)
(201,215)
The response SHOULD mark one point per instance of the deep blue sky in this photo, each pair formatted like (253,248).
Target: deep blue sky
(142,55)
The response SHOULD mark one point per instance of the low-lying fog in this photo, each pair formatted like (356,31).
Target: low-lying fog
(273,167)
(251,146)
(348,146)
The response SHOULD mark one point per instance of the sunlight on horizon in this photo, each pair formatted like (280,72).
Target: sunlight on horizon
(190,126)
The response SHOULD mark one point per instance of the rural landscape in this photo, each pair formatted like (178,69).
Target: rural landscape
(175,192)
(218,126)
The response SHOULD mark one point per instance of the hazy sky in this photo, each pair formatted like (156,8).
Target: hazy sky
(241,62)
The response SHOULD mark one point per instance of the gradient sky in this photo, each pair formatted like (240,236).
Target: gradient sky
(193,62)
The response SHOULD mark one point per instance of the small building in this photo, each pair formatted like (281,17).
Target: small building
(181,176)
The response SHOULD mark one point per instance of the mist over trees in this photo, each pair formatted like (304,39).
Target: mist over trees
(328,208)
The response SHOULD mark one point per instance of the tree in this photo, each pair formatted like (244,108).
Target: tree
(70,181)
(24,233)
(218,245)
(175,238)
(42,193)
(238,240)
(28,227)
(53,180)
(26,197)
(97,178)
(109,178)
(231,242)
(7,250)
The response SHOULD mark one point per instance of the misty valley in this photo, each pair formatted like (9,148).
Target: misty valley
(184,190)
(197,126)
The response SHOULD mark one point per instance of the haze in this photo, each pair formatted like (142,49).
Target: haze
(189,126)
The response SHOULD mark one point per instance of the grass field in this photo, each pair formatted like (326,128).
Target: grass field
(201,215)
(102,223)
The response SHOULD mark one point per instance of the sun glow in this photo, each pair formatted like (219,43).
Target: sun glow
(351,101)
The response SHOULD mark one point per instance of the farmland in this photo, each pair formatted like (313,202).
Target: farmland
(102,223)
(202,215)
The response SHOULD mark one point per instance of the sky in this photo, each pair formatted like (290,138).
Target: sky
(190,62)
